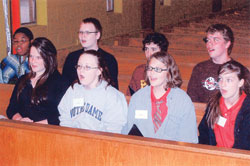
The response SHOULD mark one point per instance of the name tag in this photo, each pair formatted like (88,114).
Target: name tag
(141,114)
(78,102)
(222,121)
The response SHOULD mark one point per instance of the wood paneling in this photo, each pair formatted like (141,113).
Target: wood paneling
(35,144)
(5,94)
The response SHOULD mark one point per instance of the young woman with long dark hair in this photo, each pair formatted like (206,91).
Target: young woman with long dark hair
(226,122)
(37,94)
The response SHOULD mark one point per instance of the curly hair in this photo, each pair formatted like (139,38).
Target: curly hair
(173,73)
(158,39)
(25,31)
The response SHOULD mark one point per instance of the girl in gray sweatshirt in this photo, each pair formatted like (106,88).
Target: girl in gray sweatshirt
(91,102)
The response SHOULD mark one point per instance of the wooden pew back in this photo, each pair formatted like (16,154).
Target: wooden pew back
(35,144)
(5,94)
(199,111)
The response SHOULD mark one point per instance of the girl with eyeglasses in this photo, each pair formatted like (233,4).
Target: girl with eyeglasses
(162,110)
(37,94)
(16,65)
(153,42)
(91,102)
(226,122)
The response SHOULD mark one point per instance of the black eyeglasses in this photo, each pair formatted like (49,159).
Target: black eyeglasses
(85,32)
(156,69)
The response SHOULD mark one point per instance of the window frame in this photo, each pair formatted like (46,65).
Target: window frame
(30,7)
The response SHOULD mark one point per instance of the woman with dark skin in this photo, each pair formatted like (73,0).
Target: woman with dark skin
(16,65)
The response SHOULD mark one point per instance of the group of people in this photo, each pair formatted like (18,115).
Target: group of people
(86,95)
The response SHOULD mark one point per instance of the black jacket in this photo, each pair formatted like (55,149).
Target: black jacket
(241,129)
(70,73)
(47,109)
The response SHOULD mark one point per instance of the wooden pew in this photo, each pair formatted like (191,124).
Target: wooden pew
(129,57)
(35,144)
(5,94)
(199,111)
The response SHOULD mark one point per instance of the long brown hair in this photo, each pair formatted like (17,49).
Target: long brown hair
(48,53)
(214,103)
(173,72)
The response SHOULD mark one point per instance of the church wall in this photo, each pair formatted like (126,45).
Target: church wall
(64,17)
(179,10)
